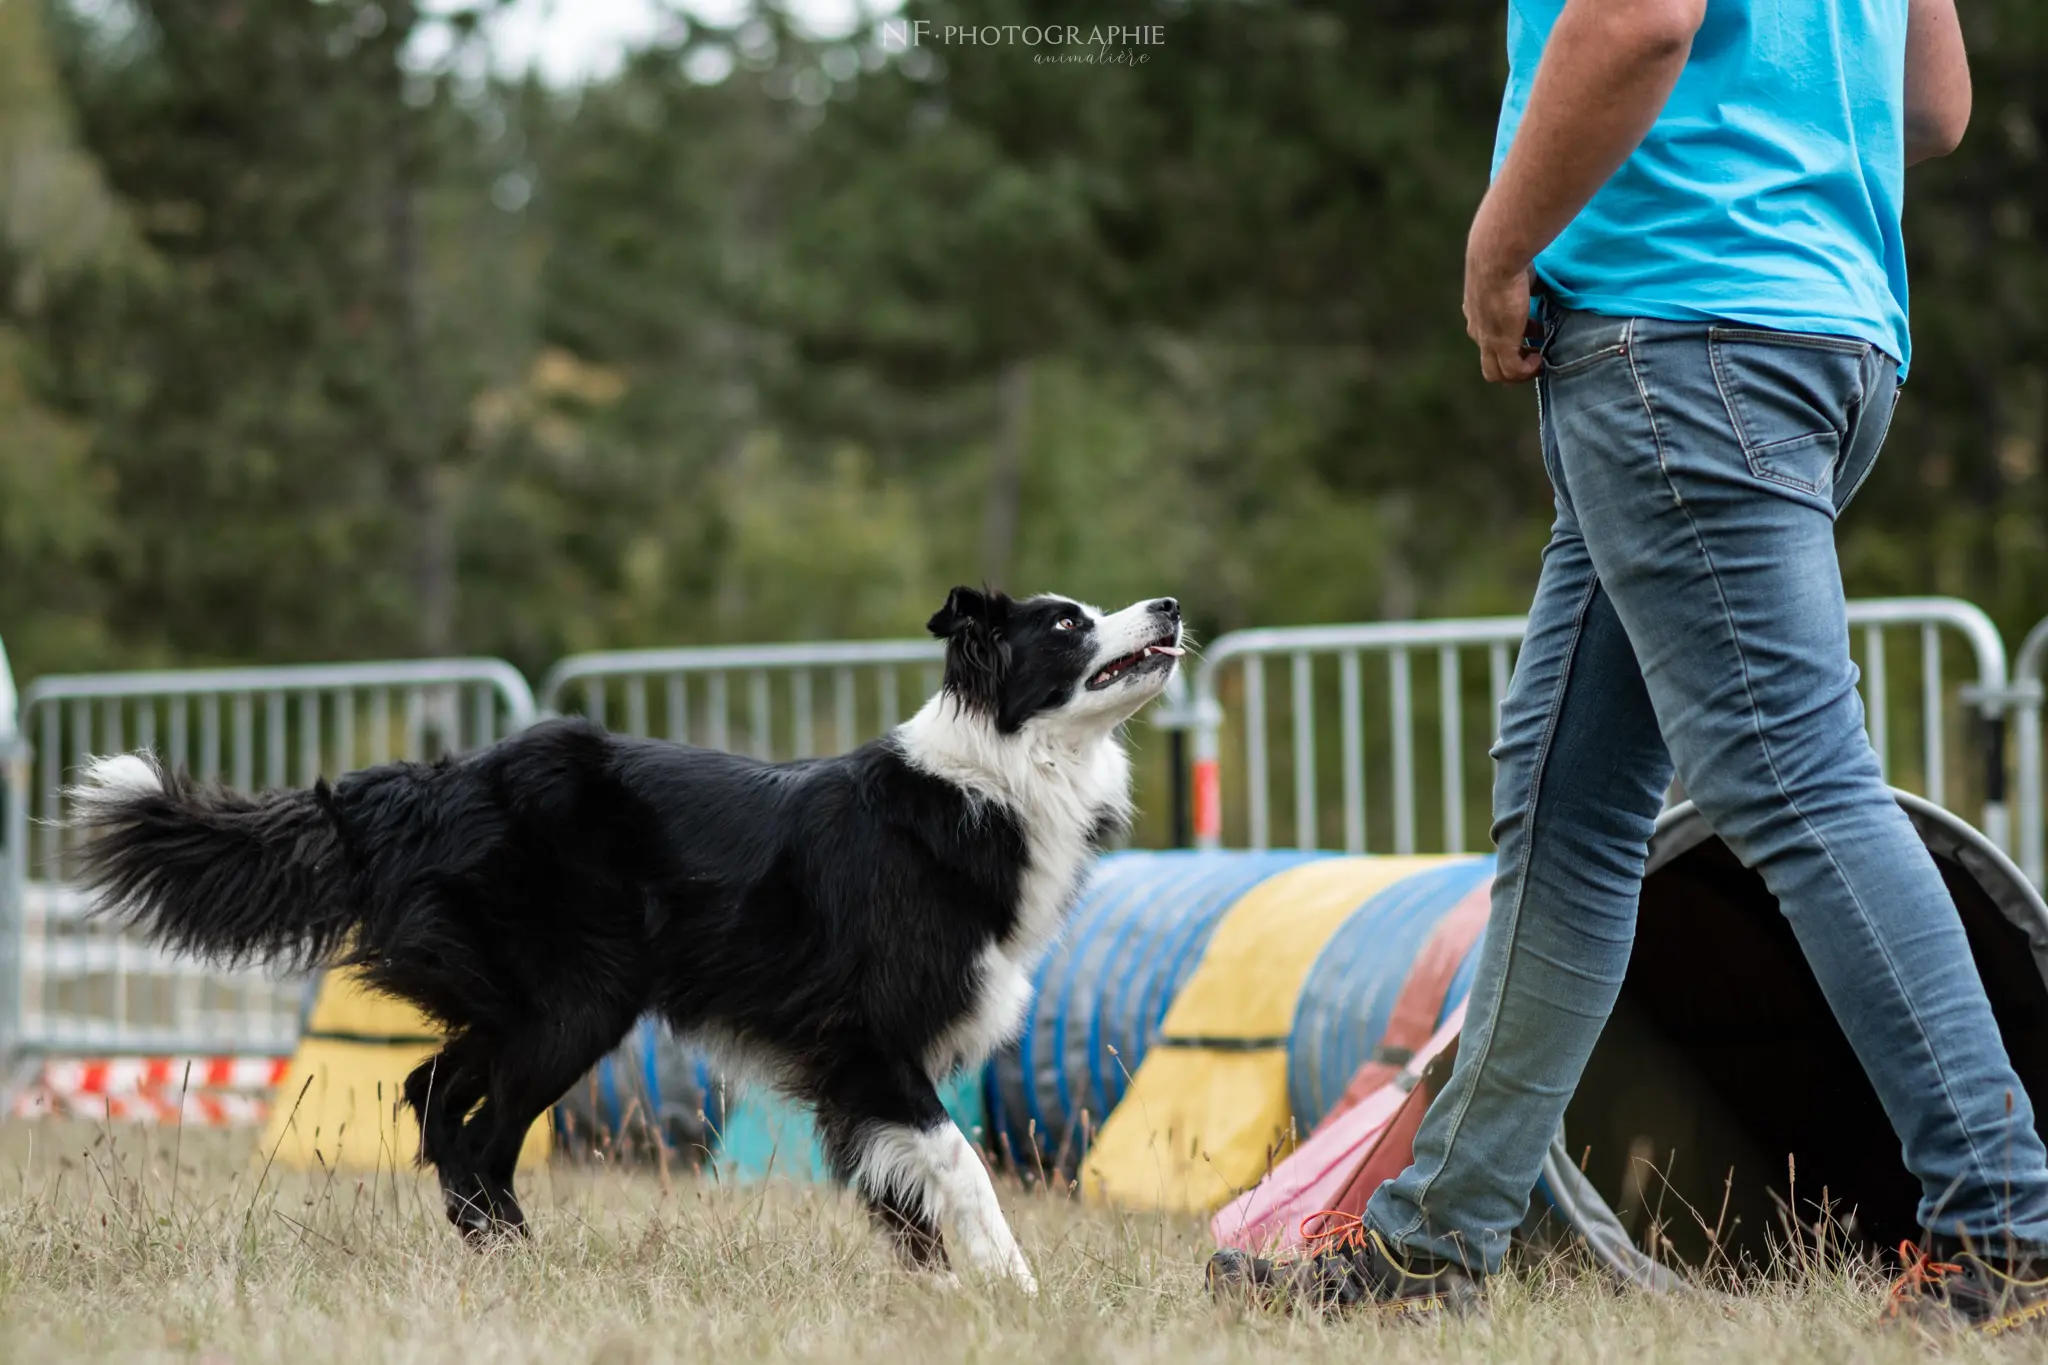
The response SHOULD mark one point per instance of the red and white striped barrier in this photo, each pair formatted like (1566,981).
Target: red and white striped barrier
(210,1092)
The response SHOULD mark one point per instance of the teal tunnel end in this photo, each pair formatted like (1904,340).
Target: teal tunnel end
(1723,1100)
(766,1135)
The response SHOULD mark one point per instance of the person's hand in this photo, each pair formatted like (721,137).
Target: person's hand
(1497,314)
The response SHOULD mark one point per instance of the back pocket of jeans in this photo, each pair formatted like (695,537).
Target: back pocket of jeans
(1788,396)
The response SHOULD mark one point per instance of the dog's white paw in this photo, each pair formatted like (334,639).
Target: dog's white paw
(1020,1274)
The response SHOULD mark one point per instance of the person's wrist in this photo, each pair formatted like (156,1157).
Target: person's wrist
(1491,252)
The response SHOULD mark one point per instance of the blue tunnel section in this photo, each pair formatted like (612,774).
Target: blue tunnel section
(1142,924)
(1348,997)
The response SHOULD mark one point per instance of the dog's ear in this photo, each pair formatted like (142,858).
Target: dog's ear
(968,608)
(972,623)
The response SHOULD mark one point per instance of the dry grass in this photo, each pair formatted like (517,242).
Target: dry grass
(131,1245)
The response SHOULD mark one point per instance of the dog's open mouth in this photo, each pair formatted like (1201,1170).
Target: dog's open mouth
(1158,655)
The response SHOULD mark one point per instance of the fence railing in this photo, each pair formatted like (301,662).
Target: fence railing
(771,701)
(1372,737)
(1449,677)
(793,700)
(83,985)
(1359,699)
(2027,692)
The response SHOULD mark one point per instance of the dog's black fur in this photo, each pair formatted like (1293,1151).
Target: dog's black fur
(822,918)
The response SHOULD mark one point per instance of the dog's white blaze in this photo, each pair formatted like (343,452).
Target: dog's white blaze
(937,1174)
(1061,775)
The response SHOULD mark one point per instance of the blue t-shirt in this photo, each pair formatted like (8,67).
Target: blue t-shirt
(1769,191)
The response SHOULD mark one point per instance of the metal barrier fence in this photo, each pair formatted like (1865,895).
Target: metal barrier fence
(2027,694)
(1348,771)
(83,986)
(771,701)
(1387,796)
(793,700)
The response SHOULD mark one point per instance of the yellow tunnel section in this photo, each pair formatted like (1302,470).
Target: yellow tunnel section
(1207,1113)
(337,1107)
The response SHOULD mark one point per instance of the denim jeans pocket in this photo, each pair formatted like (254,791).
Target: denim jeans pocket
(1788,397)
(1578,341)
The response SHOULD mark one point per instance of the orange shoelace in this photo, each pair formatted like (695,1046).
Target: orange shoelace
(1921,1271)
(1341,1231)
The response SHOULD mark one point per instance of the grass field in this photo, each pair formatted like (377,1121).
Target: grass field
(137,1245)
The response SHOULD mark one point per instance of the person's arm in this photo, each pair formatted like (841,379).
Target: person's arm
(1607,69)
(1937,80)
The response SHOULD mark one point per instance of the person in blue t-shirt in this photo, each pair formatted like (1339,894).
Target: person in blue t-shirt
(1692,246)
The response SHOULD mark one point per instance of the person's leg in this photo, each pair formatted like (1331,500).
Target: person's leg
(1716,541)
(1580,776)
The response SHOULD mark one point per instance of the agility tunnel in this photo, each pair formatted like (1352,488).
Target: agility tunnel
(1723,1075)
(1209,1109)
(1143,922)
(1722,1086)
(1362,976)
(1205,1011)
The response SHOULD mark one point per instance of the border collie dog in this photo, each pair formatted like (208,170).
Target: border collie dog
(850,929)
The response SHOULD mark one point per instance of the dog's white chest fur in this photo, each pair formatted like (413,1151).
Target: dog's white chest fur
(1061,788)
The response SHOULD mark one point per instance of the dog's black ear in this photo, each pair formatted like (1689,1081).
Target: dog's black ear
(967,608)
(977,652)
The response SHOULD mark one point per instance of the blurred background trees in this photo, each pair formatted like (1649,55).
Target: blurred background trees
(311,348)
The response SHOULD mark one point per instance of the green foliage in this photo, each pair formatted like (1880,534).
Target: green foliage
(56,219)
(239,388)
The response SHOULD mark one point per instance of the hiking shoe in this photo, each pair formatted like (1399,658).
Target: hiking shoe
(1346,1265)
(1954,1289)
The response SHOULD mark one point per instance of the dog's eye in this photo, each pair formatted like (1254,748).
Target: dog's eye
(1065,623)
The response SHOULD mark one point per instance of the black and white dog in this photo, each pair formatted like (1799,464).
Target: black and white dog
(851,929)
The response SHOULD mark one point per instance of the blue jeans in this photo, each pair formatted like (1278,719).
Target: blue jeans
(1690,613)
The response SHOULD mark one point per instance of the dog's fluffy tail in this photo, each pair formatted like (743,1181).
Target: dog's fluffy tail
(212,872)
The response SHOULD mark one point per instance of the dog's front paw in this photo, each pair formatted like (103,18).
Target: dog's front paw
(1019,1274)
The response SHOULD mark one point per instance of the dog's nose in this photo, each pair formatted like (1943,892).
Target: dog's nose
(1168,608)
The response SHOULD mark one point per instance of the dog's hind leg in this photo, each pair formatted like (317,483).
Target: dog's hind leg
(530,1071)
(441,1092)
(889,1134)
